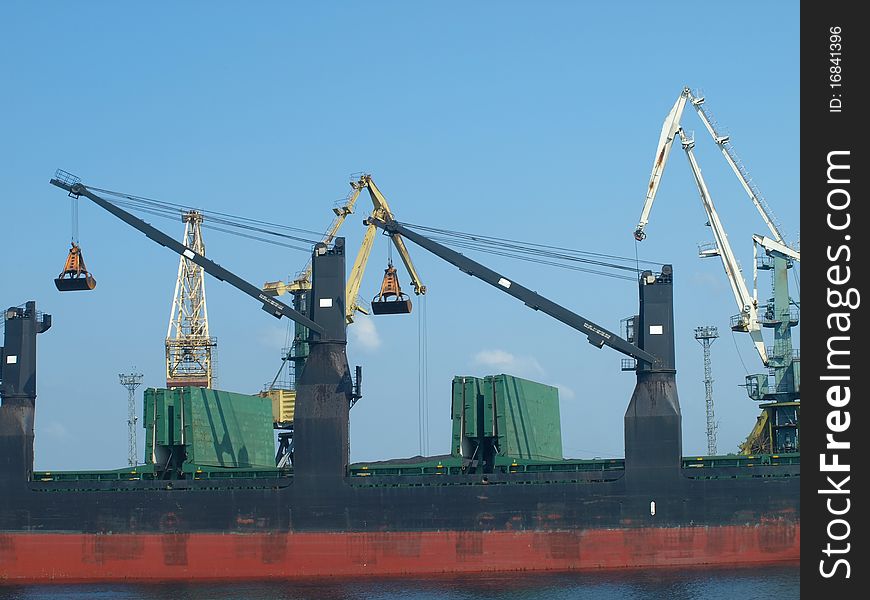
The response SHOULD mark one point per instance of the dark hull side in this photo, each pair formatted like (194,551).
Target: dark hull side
(400,525)
(654,512)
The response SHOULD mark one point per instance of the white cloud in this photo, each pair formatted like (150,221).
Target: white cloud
(508,363)
(55,430)
(364,333)
(565,393)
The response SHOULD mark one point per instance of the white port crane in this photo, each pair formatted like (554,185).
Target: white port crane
(747,321)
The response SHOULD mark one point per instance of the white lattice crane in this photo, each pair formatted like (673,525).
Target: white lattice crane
(777,429)
(189,347)
(748,319)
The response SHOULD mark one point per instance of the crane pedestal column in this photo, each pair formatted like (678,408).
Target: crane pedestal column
(18,393)
(321,421)
(653,422)
(653,427)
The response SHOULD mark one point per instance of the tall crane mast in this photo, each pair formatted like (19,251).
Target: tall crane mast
(189,347)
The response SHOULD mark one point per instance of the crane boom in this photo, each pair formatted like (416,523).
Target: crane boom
(598,336)
(774,246)
(723,142)
(669,132)
(303,280)
(270,305)
(666,141)
(381,210)
(746,303)
(382,213)
(354,281)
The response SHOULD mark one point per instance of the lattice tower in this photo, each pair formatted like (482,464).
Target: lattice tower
(189,347)
(131,381)
(706,335)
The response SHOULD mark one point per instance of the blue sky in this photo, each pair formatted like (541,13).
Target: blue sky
(531,121)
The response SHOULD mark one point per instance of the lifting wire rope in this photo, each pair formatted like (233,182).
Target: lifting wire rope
(595,263)
(536,253)
(75,275)
(740,356)
(423,378)
(74,218)
(239,226)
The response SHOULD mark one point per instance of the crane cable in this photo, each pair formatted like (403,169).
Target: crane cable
(74,218)
(448,242)
(423,378)
(422,369)
(536,253)
(280,235)
(186,207)
(739,355)
(532,247)
(239,226)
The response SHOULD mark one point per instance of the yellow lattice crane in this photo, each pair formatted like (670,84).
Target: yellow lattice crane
(302,283)
(381,211)
(392,301)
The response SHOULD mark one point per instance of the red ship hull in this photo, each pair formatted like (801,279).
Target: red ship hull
(67,557)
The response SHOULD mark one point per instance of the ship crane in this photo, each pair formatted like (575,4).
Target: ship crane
(284,394)
(598,336)
(652,420)
(189,346)
(670,130)
(776,429)
(388,302)
(302,282)
(276,308)
(326,329)
(381,210)
(747,320)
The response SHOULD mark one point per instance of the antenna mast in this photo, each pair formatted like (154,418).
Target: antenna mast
(131,381)
(706,335)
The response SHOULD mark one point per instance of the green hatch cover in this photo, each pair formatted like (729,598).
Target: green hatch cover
(215,428)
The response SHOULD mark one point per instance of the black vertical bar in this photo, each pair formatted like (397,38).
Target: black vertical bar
(833,188)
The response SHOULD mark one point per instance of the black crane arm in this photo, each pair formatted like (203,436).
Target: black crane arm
(598,336)
(270,305)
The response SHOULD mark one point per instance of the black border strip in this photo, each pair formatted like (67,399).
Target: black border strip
(833,106)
